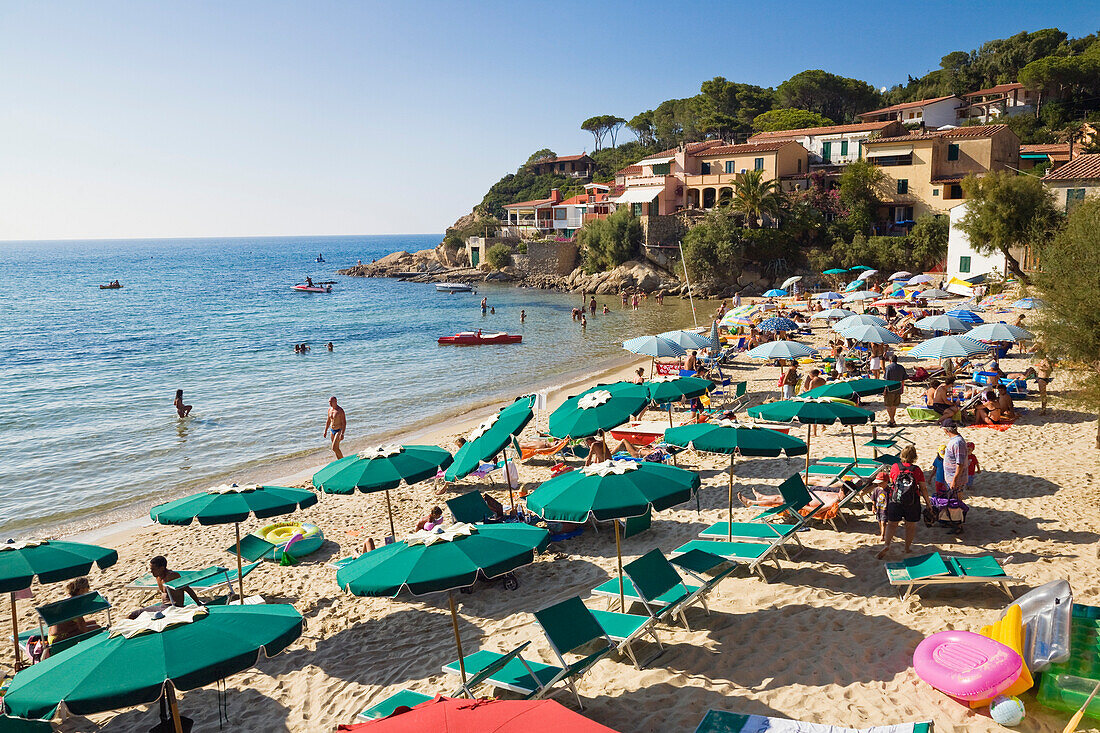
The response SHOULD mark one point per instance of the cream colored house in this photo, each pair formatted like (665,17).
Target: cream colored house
(655,185)
(835,145)
(924,172)
(710,173)
(1077,179)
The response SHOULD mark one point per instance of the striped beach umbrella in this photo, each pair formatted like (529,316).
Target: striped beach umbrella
(833,314)
(1000,332)
(781,350)
(966,316)
(775,293)
(945,323)
(948,347)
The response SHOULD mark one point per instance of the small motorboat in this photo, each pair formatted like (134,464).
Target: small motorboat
(313,288)
(320,258)
(116,285)
(454,287)
(476,338)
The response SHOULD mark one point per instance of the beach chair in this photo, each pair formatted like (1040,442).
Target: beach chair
(915,573)
(621,628)
(533,451)
(470,507)
(752,555)
(402,699)
(720,721)
(253,548)
(68,609)
(210,580)
(636,525)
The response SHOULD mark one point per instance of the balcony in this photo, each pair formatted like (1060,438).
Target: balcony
(647,180)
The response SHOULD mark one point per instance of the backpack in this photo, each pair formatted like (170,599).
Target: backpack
(905,486)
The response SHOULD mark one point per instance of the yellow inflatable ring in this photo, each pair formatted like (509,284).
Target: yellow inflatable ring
(280,533)
(841,400)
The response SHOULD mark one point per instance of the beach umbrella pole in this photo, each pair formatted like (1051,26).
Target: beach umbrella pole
(855,454)
(170,693)
(729,518)
(508,479)
(458,639)
(15,633)
(807,454)
(389,510)
(619,556)
(240,574)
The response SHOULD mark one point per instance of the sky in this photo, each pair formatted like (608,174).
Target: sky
(176,119)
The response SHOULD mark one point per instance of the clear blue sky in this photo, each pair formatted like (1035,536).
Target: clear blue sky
(132,119)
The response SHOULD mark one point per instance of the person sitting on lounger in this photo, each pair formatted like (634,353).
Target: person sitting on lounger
(433,519)
(74,626)
(988,412)
(158,568)
(1004,401)
(940,400)
(598,451)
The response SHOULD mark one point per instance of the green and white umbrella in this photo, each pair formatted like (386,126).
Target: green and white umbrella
(135,662)
(443,560)
(813,411)
(381,469)
(666,390)
(612,490)
(491,438)
(846,389)
(1000,332)
(51,562)
(232,504)
(602,407)
(734,439)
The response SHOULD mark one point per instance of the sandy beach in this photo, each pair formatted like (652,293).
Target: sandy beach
(827,640)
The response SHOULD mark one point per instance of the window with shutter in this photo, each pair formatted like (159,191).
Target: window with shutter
(844,147)
(759,164)
(903,185)
(952,151)
(661,169)
(827,152)
(704,168)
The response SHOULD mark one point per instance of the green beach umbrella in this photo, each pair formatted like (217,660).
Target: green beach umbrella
(845,389)
(813,411)
(135,662)
(612,490)
(443,560)
(50,562)
(602,407)
(666,390)
(835,271)
(232,504)
(734,439)
(381,469)
(491,438)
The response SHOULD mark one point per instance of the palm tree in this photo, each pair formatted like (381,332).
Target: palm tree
(753,196)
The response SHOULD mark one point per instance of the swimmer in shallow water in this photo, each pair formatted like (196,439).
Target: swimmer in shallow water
(181,409)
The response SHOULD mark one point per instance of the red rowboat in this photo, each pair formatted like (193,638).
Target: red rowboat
(470,338)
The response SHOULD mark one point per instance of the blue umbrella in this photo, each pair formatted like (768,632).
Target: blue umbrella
(854,285)
(965,316)
(777,324)
(715,344)
(654,346)
(871,334)
(1000,332)
(829,295)
(686,339)
(835,271)
(945,323)
(775,293)
(781,350)
(1027,303)
(944,347)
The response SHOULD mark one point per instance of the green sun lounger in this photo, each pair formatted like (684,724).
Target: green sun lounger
(915,573)
(387,707)
(754,532)
(209,579)
(470,507)
(847,469)
(750,554)
(621,628)
(719,721)
(860,462)
(254,548)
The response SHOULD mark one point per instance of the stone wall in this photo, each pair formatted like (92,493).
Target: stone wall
(547,258)
(658,230)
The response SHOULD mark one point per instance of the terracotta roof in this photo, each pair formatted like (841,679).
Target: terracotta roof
(954,132)
(533,202)
(1081,168)
(562,158)
(765,147)
(905,105)
(628,170)
(690,148)
(999,89)
(831,129)
(1045,149)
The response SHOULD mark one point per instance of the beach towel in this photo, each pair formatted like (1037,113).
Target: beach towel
(1000,427)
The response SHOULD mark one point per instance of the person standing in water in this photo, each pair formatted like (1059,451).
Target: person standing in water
(181,409)
(522,316)
(484,305)
(336,424)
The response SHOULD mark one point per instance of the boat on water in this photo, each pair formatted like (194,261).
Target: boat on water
(116,285)
(320,258)
(313,288)
(454,287)
(476,338)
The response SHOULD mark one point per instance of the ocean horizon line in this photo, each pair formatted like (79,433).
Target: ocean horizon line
(213,237)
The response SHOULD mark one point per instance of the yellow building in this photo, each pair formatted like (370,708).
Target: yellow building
(924,171)
(709,174)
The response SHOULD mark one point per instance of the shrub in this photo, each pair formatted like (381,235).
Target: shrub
(499,256)
(607,243)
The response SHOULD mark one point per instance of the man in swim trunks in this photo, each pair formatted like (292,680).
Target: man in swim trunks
(337,424)
(941,399)
(158,568)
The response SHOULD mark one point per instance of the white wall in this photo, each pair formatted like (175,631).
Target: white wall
(958,246)
(942,113)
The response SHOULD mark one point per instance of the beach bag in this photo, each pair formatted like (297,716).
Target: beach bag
(905,487)
(920,373)
(782,379)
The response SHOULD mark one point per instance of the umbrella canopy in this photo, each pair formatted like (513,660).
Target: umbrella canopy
(846,389)
(687,339)
(427,562)
(715,343)
(858,267)
(602,407)
(1026,303)
(812,412)
(459,715)
(790,281)
(781,350)
(833,314)
(50,561)
(867,274)
(492,436)
(778,324)
(860,295)
(966,316)
(944,347)
(612,490)
(828,295)
(858,320)
(947,324)
(654,346)
(891,301)
(382,468)
(232,504)
(729,438)
(870,334)
(671,389)
(901,275)
(1000,332)
(835,271)
(920,279)
(934,294)
(854,285)
(114,670)
(775,293)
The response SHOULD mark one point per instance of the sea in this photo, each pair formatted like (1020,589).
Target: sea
(87,425)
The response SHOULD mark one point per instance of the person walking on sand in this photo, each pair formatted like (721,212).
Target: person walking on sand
(1044,368)
(956,463)
(336,424)
(905,490)
(181,409)
(892,396)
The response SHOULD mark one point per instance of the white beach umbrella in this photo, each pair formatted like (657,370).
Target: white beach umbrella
(901,275)
(871,334)
(858,320)
(861,295)
(833,314)
(935,294)
(781,350)
(920,279)
(866,274)
(790,281)
(830,295)
(947,324)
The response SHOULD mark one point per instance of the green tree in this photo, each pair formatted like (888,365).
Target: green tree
(607,243)
(713,248)
(860,189)
(540,155)
(1006,211)
(499,256)
(788,119)
(928,242)
(603,125)
(1069,325)
(613,125)
(643,128)
(836,97)
(755,196)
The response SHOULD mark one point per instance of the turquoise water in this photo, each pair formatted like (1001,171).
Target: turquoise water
(86,417)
